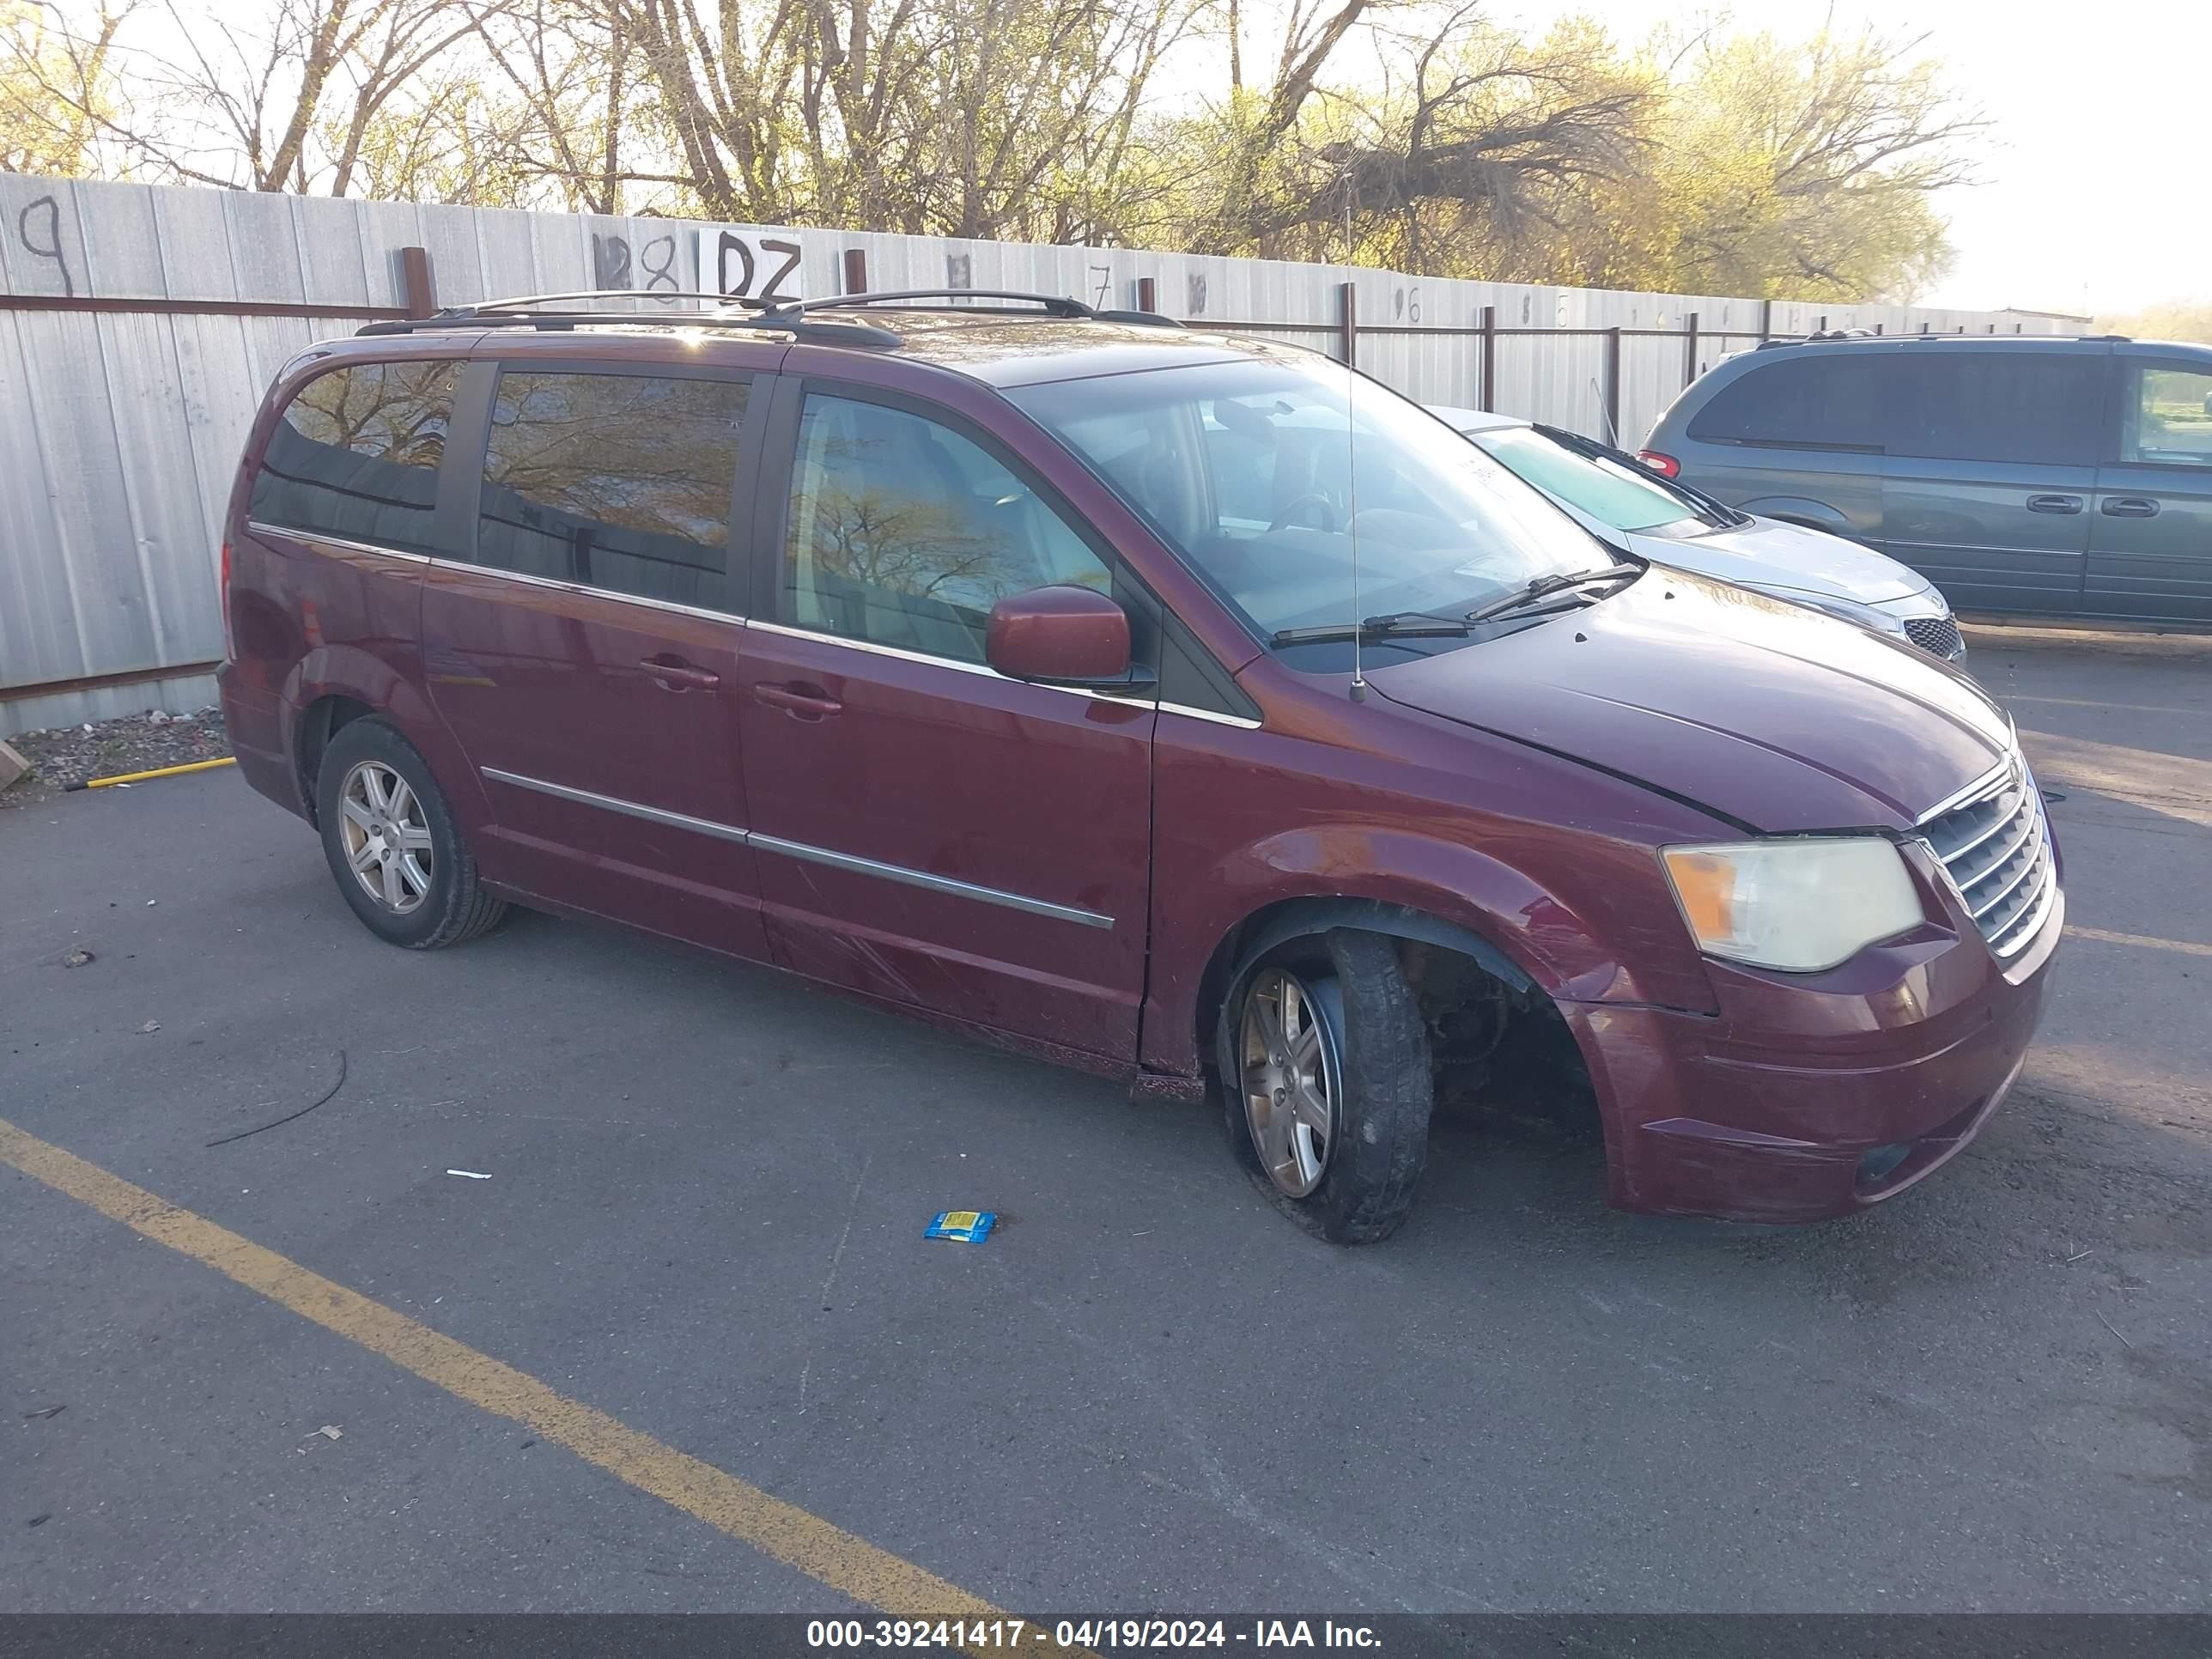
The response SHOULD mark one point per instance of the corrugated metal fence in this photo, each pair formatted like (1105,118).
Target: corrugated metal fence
(139,325)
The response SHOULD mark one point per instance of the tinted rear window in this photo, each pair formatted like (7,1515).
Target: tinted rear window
(356,456)
(1995,406)
(614,481)
(1812,402)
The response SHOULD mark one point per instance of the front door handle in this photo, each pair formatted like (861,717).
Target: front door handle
(800,699)
(678,676)
(2054,503)
(2130,506)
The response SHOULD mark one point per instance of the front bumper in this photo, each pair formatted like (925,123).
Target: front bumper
(1813,1095)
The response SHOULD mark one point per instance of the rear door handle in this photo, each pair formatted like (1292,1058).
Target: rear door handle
(805,700)
(2130,506)
(680,676)
(2054,503)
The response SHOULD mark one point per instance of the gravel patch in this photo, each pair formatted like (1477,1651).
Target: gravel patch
(134,743)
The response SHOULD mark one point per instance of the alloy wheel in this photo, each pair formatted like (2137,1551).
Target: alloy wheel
(387,836)
(1288,1047)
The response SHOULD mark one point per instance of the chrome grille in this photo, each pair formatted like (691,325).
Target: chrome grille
(1996,847)
(1937,635)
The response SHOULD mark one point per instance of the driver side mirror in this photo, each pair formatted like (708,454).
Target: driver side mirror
(1059,636)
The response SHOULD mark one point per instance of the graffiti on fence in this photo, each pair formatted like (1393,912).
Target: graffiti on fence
(750,265)
(53,248)
(612,266)
(1194,292)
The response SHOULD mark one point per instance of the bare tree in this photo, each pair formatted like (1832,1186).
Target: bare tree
(60,87)
(285,104)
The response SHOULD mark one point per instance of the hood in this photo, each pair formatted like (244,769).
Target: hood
(1768,553)
(1768,714)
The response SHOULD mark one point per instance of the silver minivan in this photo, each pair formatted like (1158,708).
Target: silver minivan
(2022,475)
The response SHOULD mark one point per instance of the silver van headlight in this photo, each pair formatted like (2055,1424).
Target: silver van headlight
(1797,905)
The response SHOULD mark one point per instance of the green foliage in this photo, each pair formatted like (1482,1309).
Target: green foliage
(56,89)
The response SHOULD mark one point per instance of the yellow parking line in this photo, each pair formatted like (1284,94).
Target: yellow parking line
(2156,944)
(823,1552)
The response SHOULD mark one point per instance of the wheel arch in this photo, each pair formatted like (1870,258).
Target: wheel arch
(1802,510)
(319,722)
(335,685)
(1283,919)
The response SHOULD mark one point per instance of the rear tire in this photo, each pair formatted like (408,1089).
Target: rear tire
(1364,1070)
(398,858)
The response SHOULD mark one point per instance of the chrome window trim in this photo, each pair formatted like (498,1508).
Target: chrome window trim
(873,649)
(901,654)
(627,808)
(262,527)
(445,562)
(807,852)
(1239,721)
(448,561)
(900,873)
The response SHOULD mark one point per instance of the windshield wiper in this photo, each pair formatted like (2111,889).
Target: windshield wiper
(1545,587)
(1397,624)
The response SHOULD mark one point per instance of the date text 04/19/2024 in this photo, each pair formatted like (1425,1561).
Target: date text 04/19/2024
(1014,1634)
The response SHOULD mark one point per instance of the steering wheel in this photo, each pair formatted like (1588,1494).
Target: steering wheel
(1311,498)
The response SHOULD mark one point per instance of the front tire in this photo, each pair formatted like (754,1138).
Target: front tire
(398,858)
(1326,1082)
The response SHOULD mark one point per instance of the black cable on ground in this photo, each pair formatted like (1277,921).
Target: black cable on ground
(278,1123)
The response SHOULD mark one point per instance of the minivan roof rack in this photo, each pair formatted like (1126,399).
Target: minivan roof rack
(1052,304)
(524,301)
(730,311)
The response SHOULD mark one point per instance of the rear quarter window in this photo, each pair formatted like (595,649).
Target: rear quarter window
(357,454)
(1812,402)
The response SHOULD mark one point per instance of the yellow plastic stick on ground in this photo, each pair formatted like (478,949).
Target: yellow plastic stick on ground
(159,772)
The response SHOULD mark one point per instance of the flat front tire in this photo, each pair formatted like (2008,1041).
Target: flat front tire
(1326,1083)
(398,858)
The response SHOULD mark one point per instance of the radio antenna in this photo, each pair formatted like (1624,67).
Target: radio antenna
(1351,461)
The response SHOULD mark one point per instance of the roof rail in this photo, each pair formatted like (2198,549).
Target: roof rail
(527,312)
(514,301)
(1052,304)
(1820,335)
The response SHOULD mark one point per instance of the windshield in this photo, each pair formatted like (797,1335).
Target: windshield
(1260,472)
(1608,491)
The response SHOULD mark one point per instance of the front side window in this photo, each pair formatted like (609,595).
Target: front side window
(1609,492)
(2168,416)
(1271,477)
(1995,404)
(356,455)
(903,532)
(620,481)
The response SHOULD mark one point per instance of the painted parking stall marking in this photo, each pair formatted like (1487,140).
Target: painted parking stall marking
(783,1531)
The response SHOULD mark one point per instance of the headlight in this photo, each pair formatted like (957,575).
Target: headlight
(1796,905)
(1849,610)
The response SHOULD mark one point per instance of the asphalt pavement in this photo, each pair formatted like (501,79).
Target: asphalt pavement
(708,1186)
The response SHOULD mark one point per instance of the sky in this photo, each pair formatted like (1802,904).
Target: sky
(2097,172)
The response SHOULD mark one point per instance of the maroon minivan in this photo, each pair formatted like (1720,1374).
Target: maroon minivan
(1176,706)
